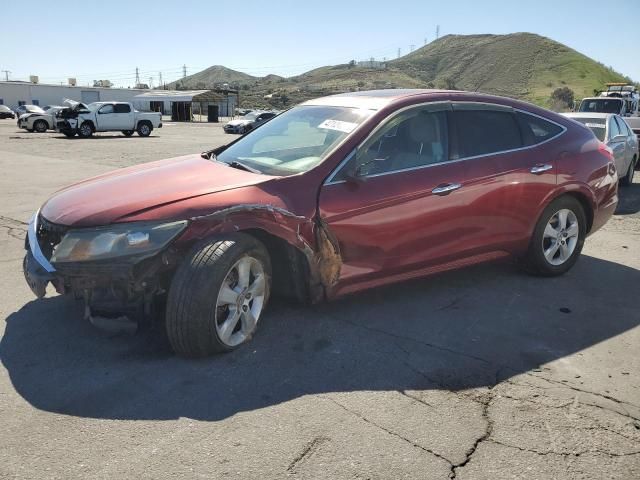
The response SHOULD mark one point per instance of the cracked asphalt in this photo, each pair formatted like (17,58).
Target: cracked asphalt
(482,373)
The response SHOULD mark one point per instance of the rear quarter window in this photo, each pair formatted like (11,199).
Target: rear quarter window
(121,108)
(535,129)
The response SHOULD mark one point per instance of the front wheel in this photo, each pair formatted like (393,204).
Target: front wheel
(85,130)
(558,238)
(218,295)
(40,126)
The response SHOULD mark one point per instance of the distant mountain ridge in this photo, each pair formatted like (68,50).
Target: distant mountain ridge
(521,65)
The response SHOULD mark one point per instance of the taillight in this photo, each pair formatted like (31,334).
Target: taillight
(606,150)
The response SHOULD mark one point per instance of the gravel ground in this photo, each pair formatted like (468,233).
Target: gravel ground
(484,373)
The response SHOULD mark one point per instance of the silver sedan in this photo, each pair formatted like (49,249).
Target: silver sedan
(612,130)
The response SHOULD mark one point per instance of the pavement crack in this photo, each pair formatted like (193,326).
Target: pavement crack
(563,454)
(309,449)
(391,432)
(15,228)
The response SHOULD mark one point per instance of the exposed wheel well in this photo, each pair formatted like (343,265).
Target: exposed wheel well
(290,268)
(586,205)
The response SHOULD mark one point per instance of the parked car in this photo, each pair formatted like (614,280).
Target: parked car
(22,109)
(6,112)
(334,196)
(85,120)
(617,135)
(39,122)
(248,122)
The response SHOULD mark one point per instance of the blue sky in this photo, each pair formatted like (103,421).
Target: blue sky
(109,39)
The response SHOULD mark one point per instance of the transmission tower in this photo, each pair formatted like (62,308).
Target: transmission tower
(184,70)
(137,76)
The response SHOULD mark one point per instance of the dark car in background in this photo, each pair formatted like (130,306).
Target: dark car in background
(248,122)
(6,112)
(334,196)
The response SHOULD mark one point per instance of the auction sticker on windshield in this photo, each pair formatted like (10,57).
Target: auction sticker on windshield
(339,125)
(594,125)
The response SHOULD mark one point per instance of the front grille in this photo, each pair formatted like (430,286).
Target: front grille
(49,235)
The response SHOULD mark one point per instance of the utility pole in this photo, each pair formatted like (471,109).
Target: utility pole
(411,48)
(6,74)
(399,52)
(184,70)
(159,79)
(437,32)
(137,76)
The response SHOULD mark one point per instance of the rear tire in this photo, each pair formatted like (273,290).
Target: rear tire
(144,129)
(557,239)
(208,309)
(628,178)
(40,126)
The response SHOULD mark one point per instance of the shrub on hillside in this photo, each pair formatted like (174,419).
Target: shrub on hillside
(562,99)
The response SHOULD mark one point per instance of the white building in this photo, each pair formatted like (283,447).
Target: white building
(14,94)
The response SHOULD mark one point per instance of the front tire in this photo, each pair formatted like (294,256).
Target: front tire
(40,126)
(557,239)
(85,130)
(217,296)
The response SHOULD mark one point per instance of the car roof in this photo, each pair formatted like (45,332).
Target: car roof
(588,115)
(370,99)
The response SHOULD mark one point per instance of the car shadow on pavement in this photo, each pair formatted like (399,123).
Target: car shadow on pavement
(454,331)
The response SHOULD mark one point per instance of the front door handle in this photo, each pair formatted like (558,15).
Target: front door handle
(446,188)
(541,167)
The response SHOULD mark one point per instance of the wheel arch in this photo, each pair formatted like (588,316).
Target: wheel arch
(581,193)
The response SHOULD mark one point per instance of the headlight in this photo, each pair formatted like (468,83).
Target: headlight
(118,240)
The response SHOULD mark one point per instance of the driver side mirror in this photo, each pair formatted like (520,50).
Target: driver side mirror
(619,138)
(355,176)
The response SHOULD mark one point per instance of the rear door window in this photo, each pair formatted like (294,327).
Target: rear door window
(613,128)
(121,108)
(483,132)
(535,129)
(622,126)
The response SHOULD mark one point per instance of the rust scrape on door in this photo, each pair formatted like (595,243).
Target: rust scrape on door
(327,258)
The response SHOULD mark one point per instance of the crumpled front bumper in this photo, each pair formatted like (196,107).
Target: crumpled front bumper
(38,271)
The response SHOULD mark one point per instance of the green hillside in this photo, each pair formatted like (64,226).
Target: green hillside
(521,65)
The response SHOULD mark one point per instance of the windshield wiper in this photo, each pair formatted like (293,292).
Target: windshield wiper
(242,166)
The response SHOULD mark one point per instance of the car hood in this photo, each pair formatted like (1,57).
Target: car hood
(111,197)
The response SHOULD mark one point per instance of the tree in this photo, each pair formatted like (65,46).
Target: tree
(562,98)
(352,63)
(447,83)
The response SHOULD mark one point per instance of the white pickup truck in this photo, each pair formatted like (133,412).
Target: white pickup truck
(85,120)
(619,98)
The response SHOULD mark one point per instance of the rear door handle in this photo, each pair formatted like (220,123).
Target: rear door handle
(541,167)
(446,188)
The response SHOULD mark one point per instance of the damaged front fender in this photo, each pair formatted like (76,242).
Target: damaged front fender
(311,236)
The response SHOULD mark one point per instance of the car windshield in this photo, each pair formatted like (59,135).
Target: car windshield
(602,105)
(597,125)
(4,108)
(34,109)
(250,116)
(295,141)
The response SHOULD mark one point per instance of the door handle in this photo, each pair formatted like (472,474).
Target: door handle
(446,188)
(541,168)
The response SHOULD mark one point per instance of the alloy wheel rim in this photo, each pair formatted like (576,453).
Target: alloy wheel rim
(85,129)
(145,129)
(560,237)
(240,301)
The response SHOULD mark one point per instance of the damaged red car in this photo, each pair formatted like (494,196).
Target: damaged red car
(334,196)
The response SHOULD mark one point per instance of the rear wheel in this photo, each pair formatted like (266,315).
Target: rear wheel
(127,133)
(217,296)
(558,238)
(40,126)
(628,178)
(144,129)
